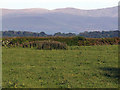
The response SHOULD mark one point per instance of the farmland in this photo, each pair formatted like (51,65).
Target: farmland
(76,67)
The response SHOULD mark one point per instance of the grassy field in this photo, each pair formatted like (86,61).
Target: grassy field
(77,67)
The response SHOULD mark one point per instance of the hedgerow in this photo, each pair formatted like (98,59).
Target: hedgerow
(70,41)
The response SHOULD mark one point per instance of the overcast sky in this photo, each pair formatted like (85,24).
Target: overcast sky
(53,4)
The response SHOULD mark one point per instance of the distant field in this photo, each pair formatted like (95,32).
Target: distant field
(77,67)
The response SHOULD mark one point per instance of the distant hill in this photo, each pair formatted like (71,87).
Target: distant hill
(60,20)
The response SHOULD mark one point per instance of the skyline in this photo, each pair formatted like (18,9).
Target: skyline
(54,4)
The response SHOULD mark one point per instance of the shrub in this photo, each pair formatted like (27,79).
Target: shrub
(46,45)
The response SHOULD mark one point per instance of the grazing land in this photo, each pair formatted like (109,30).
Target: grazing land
(76,67)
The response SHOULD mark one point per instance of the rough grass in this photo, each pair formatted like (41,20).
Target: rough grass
(77,67)
(45,45)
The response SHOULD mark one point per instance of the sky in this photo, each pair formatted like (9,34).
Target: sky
(53,4)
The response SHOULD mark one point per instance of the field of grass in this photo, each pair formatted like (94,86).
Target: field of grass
(77,67)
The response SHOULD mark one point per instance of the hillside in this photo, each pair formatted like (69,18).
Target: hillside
(60,20)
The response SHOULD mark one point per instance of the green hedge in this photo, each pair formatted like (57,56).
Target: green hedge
(70,41)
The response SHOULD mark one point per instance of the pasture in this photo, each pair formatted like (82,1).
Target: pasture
(77,67)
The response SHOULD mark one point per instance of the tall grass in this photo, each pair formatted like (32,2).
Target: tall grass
(46,45)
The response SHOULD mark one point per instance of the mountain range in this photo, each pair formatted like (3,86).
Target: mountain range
(60,20)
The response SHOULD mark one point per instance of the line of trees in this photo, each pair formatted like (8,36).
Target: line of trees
(94,34)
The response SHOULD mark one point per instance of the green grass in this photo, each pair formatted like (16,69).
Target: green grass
(77,67)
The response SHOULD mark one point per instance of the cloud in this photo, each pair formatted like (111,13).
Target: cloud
(52,4)
(57,1)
